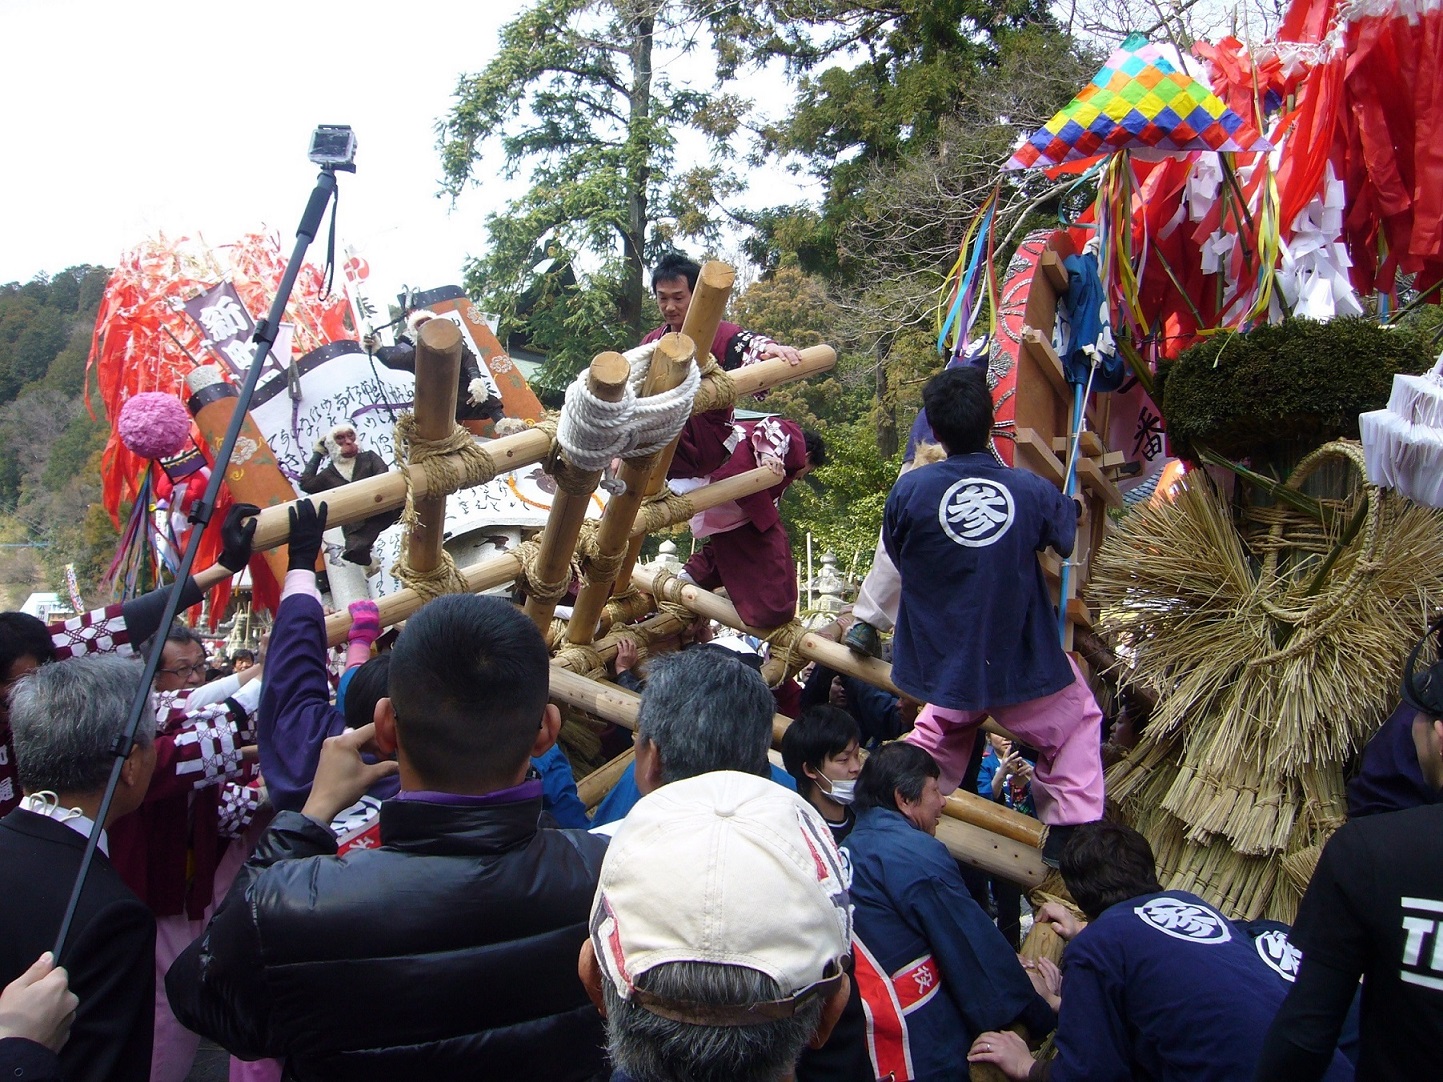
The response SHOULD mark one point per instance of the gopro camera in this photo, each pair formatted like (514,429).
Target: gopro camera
(333,146)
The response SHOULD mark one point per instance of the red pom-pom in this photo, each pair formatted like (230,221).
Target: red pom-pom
(154,425)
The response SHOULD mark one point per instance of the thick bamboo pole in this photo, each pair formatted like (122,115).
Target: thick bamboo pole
(438,370)
(965,806)
(974,843)
(372,495)
(674,354)
(592,789)
(703,317)
(606,379)
(500,569)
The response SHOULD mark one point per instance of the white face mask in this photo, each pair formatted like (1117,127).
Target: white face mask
(842,791)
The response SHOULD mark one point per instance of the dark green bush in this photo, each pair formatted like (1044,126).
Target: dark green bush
(1275,393)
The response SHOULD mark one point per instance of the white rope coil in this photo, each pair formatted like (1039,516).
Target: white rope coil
(592,432)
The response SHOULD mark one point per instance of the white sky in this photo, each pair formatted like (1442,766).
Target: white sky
(124,120)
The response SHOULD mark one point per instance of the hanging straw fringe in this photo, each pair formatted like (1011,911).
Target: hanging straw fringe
(1272,670)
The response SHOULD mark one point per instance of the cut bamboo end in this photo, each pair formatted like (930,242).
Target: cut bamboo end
(608,375)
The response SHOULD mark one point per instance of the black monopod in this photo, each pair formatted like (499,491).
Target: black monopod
(333,147)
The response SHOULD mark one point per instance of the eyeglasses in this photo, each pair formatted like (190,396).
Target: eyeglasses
(185,672)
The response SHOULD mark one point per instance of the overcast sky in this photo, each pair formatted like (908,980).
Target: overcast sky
(124,120)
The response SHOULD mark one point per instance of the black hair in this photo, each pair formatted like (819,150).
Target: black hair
(959,408)
(368,686)
(468,681)
(244,655)
(816,448)
(22,635)
(1105,863)
(1424,691)
(675,265)
(818,732)
(898,767)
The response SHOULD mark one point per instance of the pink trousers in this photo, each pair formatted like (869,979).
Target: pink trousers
(1066,730)
(175,1047)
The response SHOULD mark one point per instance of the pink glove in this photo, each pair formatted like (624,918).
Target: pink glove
(365,629)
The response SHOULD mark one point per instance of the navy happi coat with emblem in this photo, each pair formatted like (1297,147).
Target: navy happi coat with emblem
(1164,987)
(977,628)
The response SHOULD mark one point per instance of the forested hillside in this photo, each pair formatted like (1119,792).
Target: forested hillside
(50,513)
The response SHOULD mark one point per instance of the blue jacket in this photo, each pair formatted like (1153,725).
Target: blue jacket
(976,627)
(624,795)
(932,970)
(1163,987)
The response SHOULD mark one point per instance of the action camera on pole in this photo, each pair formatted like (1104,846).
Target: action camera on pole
(333,146)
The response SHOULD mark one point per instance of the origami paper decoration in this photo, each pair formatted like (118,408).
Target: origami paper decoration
(1140,99)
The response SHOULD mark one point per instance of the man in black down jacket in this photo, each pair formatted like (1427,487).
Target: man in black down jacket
(450,951)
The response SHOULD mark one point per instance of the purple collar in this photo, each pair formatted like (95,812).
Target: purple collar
(530,789)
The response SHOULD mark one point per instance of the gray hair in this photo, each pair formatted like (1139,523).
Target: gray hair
(66,717)
(650,1048)
(705,711)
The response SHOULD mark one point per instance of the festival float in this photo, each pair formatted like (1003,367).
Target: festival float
(1256,594)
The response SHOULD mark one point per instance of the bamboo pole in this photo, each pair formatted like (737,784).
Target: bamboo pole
(372,495)
(703,317)
(674,354)
(502,568)
(438,370)
(592,789)
(973,842)
(606,379)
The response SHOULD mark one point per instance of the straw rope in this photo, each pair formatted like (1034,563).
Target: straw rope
(664,508)
(1270,676)
(717,390)
(546,593)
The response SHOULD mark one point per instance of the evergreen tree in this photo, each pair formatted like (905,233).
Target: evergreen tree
(575,99)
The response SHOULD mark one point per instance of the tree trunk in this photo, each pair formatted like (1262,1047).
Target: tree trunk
(642,22)
(886,412)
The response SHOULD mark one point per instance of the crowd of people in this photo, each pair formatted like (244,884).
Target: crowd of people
(378,866)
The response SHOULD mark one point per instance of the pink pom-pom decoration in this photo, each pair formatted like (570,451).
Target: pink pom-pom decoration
(154,425)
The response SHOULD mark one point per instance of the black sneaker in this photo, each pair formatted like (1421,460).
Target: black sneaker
(1057,837)
(863,638)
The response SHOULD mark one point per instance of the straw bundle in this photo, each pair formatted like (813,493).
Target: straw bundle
(1274,662)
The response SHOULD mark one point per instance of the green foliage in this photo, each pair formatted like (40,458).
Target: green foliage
(49,445)
(846,514)
(1276,392)
(572,98)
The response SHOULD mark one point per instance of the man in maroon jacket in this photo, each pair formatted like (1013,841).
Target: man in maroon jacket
(707,441)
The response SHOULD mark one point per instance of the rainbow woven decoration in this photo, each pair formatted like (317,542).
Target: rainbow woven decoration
(1139,100)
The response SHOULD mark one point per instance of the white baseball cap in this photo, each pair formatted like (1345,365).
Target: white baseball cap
(725,868)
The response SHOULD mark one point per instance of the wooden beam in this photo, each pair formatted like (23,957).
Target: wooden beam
(1039,347)
(1056,272)
(592,789)
(1091,445)
(438,371)
(606,379)
(979,846)
(1039,457)
(1096,482)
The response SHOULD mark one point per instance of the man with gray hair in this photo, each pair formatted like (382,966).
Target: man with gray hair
(66,718)
(702,710)
(719,933)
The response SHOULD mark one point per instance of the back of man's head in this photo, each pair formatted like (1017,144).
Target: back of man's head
(959,408)
(898,767)
(468,682)
(1105,863)
(22,635)
(719,929)
(704,712)
(66,717)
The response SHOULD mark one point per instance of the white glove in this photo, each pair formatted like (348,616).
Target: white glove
(477,392)
(320,448)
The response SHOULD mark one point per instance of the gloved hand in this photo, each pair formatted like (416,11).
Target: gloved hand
(369,343)
(320,448)
(307,525)
(235,536)
(365,623)
(477,392)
